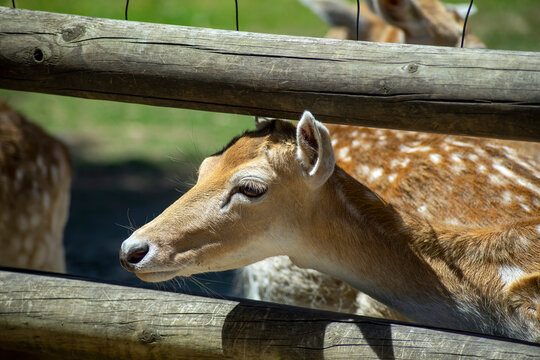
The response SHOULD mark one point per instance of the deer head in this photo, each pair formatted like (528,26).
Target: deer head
(229,218)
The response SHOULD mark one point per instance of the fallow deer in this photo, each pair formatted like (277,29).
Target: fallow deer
(278,191)
(425,22)
(35,177)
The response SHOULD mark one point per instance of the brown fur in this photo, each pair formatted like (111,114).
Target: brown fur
(34,194)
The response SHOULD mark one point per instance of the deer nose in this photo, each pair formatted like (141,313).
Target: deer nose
(132,253)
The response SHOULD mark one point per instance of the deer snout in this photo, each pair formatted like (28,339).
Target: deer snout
(132,252)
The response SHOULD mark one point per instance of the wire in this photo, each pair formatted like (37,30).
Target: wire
(126,11)
(236,10)
(465,24)
(357,18)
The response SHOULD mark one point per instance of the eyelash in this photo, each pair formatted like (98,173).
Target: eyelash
(252,189)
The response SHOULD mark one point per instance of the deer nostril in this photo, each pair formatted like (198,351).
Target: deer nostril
(137,253)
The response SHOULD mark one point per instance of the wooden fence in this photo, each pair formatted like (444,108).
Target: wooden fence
(63,317)
(455,91)
(435,89)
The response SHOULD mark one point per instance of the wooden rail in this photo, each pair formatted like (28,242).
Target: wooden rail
(62,317)
(457,91)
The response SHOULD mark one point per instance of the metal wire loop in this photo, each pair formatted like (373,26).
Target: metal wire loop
(465,24)
(236,12)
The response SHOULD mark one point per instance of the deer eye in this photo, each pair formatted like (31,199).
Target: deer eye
(252,189)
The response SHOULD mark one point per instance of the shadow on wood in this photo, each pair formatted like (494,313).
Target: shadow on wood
(302,334)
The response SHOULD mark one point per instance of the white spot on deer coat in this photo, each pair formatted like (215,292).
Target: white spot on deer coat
(473,157)
(520,180)
(46,201)
(435,158)
(405,162)
(496,180)
(527,184)
(504,170)
(375,174)
(458,168)
(404,148)
(364,170)
(392,177)
(407,149)
(460,143)
(453,221)
(343,152)
(456,158)
(510,273)
(506,197)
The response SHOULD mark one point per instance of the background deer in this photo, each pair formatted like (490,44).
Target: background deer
(35,179)
(278,191)
(426,22)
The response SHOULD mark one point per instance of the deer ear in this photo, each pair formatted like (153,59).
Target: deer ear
(314,150)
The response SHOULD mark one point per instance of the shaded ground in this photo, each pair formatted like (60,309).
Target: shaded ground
(108,198)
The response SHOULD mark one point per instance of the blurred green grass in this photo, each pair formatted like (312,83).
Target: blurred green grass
(109,132)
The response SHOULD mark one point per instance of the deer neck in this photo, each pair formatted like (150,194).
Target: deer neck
(366,242)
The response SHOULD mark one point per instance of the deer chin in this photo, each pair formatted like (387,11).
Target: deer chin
(157,276)
(184,267)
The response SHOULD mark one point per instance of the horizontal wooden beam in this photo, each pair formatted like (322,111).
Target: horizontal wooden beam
(448,90)
(63,317)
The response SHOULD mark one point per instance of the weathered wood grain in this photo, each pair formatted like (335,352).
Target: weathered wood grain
(435,89)
(61,317)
